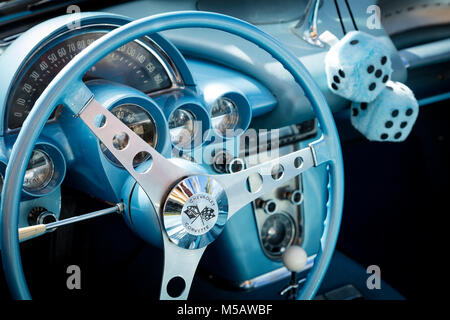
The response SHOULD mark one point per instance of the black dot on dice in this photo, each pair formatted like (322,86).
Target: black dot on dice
(378,73)
(363,105)
(388,124)
(336,79)
(341,73)
(372,86)
(403,124)
(355,112)
(334,86)
(370,69)
(385,78)
(384,136)
(409,112)
(394,113)
(397,135)
(383,60)
(389,88)
(353,42)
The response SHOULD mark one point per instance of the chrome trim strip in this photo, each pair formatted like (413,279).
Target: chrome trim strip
(273,276)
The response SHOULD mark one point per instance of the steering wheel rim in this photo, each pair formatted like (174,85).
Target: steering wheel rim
(326,149)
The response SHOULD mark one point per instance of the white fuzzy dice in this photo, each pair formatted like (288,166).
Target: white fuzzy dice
(358,67)
(390,117)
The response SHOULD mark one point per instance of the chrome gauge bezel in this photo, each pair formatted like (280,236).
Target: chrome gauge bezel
(234,111)
(155,141)
(243,114)
(48,178)
(202,124)
(58,171)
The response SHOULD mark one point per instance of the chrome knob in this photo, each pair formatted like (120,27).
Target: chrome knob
(46,218)
(40,215)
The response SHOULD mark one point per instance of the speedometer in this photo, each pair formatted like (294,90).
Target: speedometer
(136,64)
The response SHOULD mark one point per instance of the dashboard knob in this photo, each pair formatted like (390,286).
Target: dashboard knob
(224,162)
(40,215)
(294,258)
(46,218)
(269,206)
(235,165)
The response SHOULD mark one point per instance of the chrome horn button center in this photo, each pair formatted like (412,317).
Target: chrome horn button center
(195,212)
(199,214)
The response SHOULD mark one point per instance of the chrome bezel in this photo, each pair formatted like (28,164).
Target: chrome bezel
(291,226)
(236,122)
(58,172)
(195,133)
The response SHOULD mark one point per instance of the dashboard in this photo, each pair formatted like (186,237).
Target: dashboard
(194,96)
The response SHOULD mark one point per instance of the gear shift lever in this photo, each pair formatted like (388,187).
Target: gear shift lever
(294,259)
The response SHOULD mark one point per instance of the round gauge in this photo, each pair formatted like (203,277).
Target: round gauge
(39,171)
(277,233)
(224,116)
(141,122)
(182,128)
(135,64)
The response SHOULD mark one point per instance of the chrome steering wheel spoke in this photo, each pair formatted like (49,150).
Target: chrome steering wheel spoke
(246,186)
(179,269)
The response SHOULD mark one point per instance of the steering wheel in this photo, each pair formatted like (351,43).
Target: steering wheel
(164,181)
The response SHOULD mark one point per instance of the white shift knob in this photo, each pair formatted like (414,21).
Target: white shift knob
(295,258)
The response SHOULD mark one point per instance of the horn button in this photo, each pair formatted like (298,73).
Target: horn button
(195,212)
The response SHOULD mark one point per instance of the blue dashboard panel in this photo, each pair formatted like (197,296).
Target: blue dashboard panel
(215,80)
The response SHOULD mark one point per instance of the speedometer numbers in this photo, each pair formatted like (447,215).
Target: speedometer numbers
(141,122)
(135,64)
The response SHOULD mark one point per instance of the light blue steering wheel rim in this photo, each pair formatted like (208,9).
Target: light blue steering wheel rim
(68,81)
